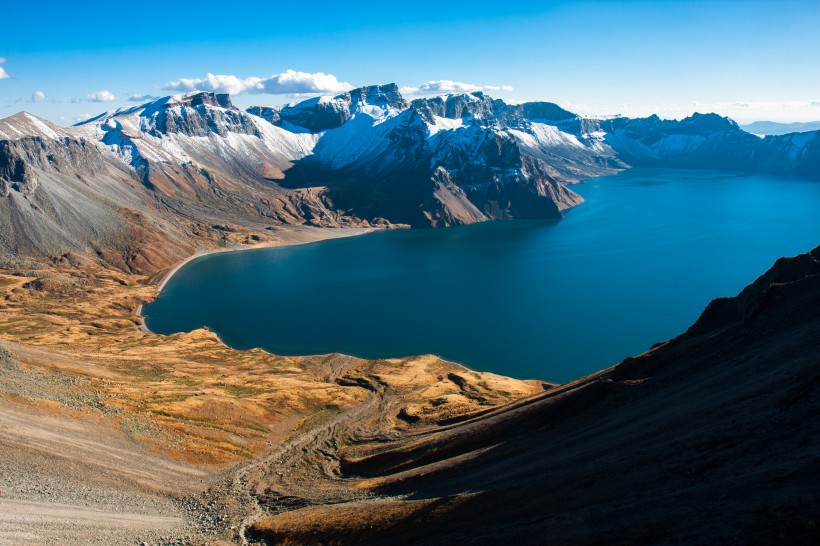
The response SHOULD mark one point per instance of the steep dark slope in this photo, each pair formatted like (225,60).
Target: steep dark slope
(711,438)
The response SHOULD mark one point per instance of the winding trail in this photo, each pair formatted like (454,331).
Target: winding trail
(305,469)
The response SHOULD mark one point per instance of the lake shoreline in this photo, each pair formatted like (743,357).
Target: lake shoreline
(331,233)
(637,262)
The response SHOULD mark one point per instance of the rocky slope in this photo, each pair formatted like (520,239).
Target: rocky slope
(60,193)
(708,438)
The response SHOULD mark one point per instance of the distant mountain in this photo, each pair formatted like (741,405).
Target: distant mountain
(775,128)
(708,141)
(443,161)
(365,157)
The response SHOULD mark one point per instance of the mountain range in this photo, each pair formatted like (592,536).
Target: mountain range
(194,164)
(776,128)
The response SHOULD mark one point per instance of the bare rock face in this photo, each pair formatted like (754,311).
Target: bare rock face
(59,193)
(325,113)
(15,173)
(448,204)
(271,115)
(193,117)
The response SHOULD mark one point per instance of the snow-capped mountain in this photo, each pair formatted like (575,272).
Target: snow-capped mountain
(708,141)
(370,154)
(364,157)
(441,161)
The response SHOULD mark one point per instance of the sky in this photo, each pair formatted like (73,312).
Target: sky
(750,60)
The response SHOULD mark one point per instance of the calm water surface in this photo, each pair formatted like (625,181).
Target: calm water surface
(635,264)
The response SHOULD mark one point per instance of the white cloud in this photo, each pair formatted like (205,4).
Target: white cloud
(289,82)
(142,98)
(38,96)
(3,73)
(101,96)
(449,87)
(81,117)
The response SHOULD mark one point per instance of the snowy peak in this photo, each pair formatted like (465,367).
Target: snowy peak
(695,125)
(706,124)
(268,113)
(324,113)
(23,124)
(485,110)
(197,115)
(545,112)
(387,96)
(194,100)
(465,106)
(220,100)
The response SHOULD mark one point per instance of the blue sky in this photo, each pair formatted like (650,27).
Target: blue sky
(748,59)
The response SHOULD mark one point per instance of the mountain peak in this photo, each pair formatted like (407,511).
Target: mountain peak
(379,95)
(220,100)
(709,122)
(545,111)
(23,124)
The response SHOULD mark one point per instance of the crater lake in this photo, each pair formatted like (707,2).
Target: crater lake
(635,264)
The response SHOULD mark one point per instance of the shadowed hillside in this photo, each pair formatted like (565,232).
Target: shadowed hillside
(710,438)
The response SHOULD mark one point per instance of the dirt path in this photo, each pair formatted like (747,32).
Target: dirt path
(305,469)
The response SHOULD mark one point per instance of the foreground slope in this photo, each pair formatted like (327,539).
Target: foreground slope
(708,438)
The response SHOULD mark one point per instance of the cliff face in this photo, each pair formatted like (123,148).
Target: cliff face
(708,438)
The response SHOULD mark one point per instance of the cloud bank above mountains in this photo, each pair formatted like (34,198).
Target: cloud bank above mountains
(449,87)
(289,82)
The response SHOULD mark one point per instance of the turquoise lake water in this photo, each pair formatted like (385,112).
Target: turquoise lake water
(554,300)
